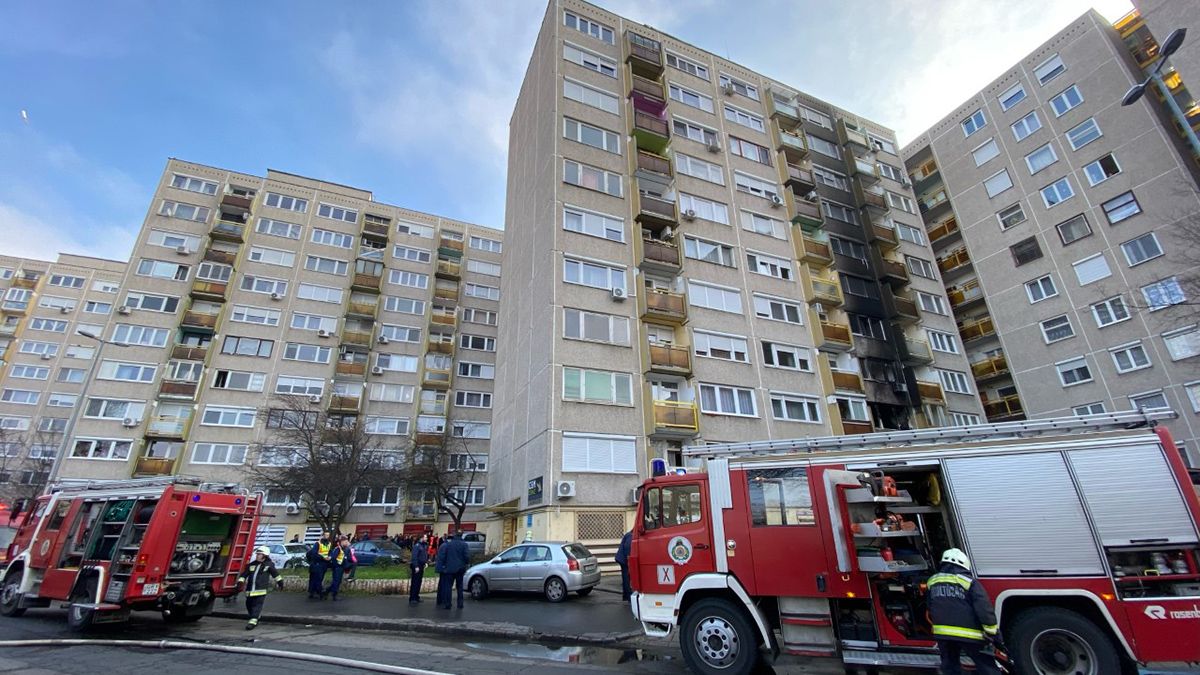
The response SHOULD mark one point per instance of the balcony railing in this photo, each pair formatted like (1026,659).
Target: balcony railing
(787,114)
(864,169)
(835,335)
(869,198)
(885,236)
(917,351)
(660,253)
(794,146)
(177,389)
(443,319)
(943,229)
(964,294)
(433,407)
(448,270)
(849,134)
(168,426)
(199,320)
(375,230)
(439,346)
(236,202)
(989,368)
(362,308)
(366,282)
(850,427)
(446,293)
(932,203)
(22,281)
(1002,409)
(652,132)
(665,305)
(185,353)
(816,252)
(893,270)
(799,178)
(827,292)
(846,380)
(436,378)
(343,402)
(209,290)
(153,466)
(646,87)
(644,55)
(808,214)
(655,210)
(979,328)
(954,260)
(676,416)
(224,229)
(350,368)
(931,391)
(648,161)
(670,358)
(450,246)
(220,257)
(429,437)
(355,337)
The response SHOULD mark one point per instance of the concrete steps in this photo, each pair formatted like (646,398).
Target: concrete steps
(604,550)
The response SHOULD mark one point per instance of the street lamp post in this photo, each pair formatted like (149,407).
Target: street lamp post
(1172,44)
(69,430)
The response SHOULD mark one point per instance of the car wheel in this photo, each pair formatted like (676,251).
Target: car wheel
(291,564)
(478,587)
(1051,640)
(556,590)
(718,639)
(10,593)
(584,591)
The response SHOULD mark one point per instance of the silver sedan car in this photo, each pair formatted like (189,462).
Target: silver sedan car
(553,568)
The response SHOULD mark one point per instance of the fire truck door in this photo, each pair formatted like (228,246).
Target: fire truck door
(784,533)
(675,537)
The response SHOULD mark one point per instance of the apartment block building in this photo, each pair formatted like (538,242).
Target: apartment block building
(706,254)
(43,365)
(244,291)
(1059,219)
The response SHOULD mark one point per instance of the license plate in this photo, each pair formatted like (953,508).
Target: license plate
(150,589)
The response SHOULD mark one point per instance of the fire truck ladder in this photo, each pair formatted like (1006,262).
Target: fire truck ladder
(241,542)
(129,483)
(1130,419)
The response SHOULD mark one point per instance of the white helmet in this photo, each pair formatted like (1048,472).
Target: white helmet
(956,556)
(265,550)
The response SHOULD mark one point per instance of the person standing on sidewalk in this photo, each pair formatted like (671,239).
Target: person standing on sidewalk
(416,569)
(318,561)
(452,562)
(339,560)
(622,559)
(256,579)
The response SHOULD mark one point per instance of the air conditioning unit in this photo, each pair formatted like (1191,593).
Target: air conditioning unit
(906,183)
(183,250)
(776,201)
(47,357)
(728,90)
(129,422)
(383,339)
(64,310)
(689,215)
(389,510)
(619,294)
(377,370)
(125,310)
(565,489)
(811,196)
(322,333)
(315,398)
(714,148)
(291,509)
(276,296)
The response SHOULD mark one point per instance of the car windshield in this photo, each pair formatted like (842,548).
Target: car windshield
(296,548)
(386,546)
(577,551)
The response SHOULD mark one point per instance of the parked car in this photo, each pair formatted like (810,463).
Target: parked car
(380,552)
(553,568)
(288,556)
(476,542)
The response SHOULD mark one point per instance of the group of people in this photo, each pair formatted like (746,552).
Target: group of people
(329,555)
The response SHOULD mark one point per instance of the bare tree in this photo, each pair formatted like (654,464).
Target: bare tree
(25,461)
(325,460)
(445,466)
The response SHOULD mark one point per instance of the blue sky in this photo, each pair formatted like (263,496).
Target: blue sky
(408,99)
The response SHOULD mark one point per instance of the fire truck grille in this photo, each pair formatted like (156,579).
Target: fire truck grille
(593,525)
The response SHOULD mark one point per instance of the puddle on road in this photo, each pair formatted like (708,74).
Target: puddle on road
(589,654)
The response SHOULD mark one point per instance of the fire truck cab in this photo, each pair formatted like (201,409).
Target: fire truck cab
(109,547)
(1083,532)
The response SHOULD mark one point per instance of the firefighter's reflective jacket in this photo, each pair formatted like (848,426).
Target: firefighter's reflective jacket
(258,577)
(958,606)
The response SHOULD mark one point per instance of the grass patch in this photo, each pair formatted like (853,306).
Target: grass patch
(372,572)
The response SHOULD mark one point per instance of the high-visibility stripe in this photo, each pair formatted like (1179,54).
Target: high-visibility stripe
(965,582)
(256,593)
(958,631)
(992,629)
(253,622)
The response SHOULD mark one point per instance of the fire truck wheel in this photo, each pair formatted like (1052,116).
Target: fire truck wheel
(10,593)
(718,639)
(80,618)
(556,590)
(1051,640)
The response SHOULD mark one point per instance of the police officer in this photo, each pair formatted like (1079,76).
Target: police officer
(339,560)
(963,619)
(256,578)
(318,562)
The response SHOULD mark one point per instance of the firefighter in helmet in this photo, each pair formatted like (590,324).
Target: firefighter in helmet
(256,578)
(962,616)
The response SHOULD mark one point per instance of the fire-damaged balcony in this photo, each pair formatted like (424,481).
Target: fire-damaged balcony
(808,213)
(930,392)
(914,351)
(827,292)
(898,306)
(644,55)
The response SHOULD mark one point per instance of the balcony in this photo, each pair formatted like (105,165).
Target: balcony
(850,135)
(228,231)
(942,230)
(786,114)
(670,359)
(428,437)
(847,381)
(652,163)
(808,214)
(652,132)
(153,466)
(449,246)
(356,338)
(220,257)
(168,426)
(868,198)
(366,282)
(236,203)
(660,255)
(653,211)
(420,510)
(835,337)
(793,146)
(851,428)
(199,321)
(439,346)
(827,292)
(884,236)
(373,230)
(644,87)
(362,309)
(343,403)
(929,205)
(863,169)
(899,306)
(931,392)
(436,378)
(799,177)
(6,330)
(177,389)
(1006,409)
(815,251)
(185,353)
(350,368)
(25,281)
(675,418)
(644,55)
(977,329)
(964,295)
(447,294)
(915,352)
(892,271)
(436,407)
(954,261)
(666,306)
(448,270)
(990,368)
(14,308)
(446,319)
(209,290)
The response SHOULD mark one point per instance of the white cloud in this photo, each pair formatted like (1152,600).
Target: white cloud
(26,235)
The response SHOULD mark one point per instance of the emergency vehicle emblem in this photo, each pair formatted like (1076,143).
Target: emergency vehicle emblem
(680,550)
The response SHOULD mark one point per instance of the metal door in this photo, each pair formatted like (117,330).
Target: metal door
(504,571)
(535,567)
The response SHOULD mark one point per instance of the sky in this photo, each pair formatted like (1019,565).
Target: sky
(409,99)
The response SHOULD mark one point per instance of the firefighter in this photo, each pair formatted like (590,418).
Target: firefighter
(339,560)
(256,579)
(318,562)
(962,616)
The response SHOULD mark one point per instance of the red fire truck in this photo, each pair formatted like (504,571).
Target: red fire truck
(109,547)
(1082,530)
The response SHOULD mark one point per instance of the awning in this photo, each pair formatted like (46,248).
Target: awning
(505,507)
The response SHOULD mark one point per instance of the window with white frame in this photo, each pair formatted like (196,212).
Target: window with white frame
(104,286)
(985,151)
(333,212)
(480,343)
(1057,329)
(272,256)
(824,147)
(481,371)
(1129,357)
(410,279)
(931,303)
(391,393)
(228,416)
(718,399)
(285,202)
(146,336)
(414,229)
(193,184)
(10,423)
(1088,409)
(239,380)
(1041,288)
(1183,343)
(49,325)
(974,122)
(1083,134)
(298,351)
(1110,311)
(184,211)
(1152,400)
(163,238)
(472,399)
(818,118)
(954,381)
(890,172)
(597,386)
(831,178)
(56,302)
(471,496)
(942,342)
(1193,393)
(1121,207)
(316,322)
(393,303)
(1025,126)
(28,372)
(920,267)
(20,396)
(482,267)
(293,385)
(588,453)
(695,132)
(768,265)
(1041,158)
(316,263)
(719,298)
(592,178)
(462,461)
(264,285)
(1066,100)
(256,315)
(1163,293)
(1141,249)
(910,234)
(1074,371)
(151,302)
(687,65)
(739,87)
(214,272)
(791,357)
(690,98)
(39,348)
(959,419)
(592,274)
(219,453)
(588,27)
(841,212)
(594,224)
(101,448)
(1101,170)
(387,426)
(485,244)
(853,409)
(698,168)
(587,134)
(399,363)
(1057,192)
(1074,229)
(997,183)
(127,372)
(881,144)
(72,375)
(705,209)
(708,251)
(319,293)
(1049,69)
(579,324)
(751,151)
(331,238)
(481,291)
(247,346)
(278,228)
(1091,269)
(1011,96)
(795,407)
(400,333)
(744,118)
(159,269)
(898,201)
(591,96)
(720,346)
(755,186)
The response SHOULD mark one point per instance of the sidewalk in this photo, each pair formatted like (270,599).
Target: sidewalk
(599,618)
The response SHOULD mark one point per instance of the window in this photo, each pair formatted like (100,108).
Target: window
(74,351)
(319,293)
(481,291)
(218,453)
(65,281)
(1193,392)
(299,386)
(335,213)
(1101,170)
(1025,126)
(591,178)
(1129,357)
(756,186)
(392,393)
(722,400)
(238,379)
(1074,229)
(931,303)
(278,228)
(587,134)
(901,202)
(1138,251)
(1183,343)
(414,229)
(1041,288)
(1163,293)
(1040,158)
(881,144)
(687,66)
(72,375)
(987,150)
(920,267)
(1010,216)
(695,132)
(14,423)
(54,425)
(296,351)
(598,454)
(147,336)
(316,263)
(1091,269)
(777,309)
(213,272)
(1083,134)
(1057,328)
(183,211)
(746,119)
(739,87)
(791,357)
(1049,69)
(974,123)
(690,98)
(713,252)
(29,372)
(593,224)
(40,348)
(474,315)
(1066,100)
(461,461)
(20,396)
(596,98)
(330,238)
(102,286)
(56,302)
(387,426)
(1057,192)
(397,363)
(717,346)
(226,416)
(942,342)
(703,208)
(151,302)
(127,372)
(410,279)
(867,326)
(1110,311)
(1088,409)
(890,172)
(101,448)
(265,285)
(1012,96)
(51,325)
(751,151)
(481,267)
(595,386)
(824,147)
(997,183)
(245,346)
(162,270)
(840,212)
(285,202)
(191,184)
(1154,400)
(1025,251)
(714,297)
(1121,207)
(400,305)
(303,321)
(588,27)
(477,342)
(472,399)
(699,168)
(581,325)
(954,381)
(831,178)
(1073,372)
(400,333)
(820,119)
(483,371)
(262,317)
(483,244)
(795,408)
(593,274)
(94,307)
(165,239)
(184,371)
(760,263)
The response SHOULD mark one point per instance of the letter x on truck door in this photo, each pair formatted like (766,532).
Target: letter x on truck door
(675,537)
